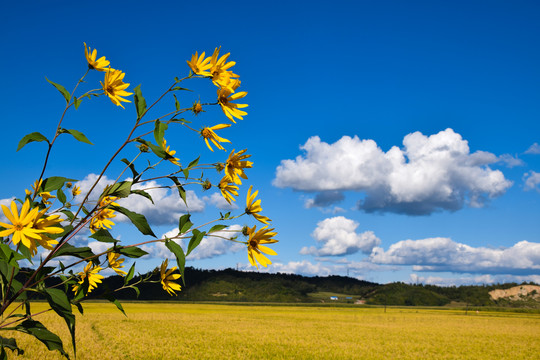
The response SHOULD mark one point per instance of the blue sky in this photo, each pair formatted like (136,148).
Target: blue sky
(391,140)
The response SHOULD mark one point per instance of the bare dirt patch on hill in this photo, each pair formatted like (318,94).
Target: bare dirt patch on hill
(517,293)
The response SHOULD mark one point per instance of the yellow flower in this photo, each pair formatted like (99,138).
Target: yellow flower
(106,201)
(228,189)
(22,225)
(253,208)
(235,166)
(219,68)
(114,86)
(256,250)
(100,64)
(199,65)
(101,220)
(45,196)
(170,152)
(90,272)
(225,97)
(208,134)
(36,186)
(76,191)
(167,278)
(197,108)
(115,263)
(48,226)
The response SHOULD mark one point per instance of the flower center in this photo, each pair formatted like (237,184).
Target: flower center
(18,227)
(206,133)
(253,244)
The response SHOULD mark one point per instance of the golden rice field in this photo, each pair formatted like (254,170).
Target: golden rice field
(208,331)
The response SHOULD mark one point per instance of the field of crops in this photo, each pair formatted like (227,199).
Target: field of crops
(207,331)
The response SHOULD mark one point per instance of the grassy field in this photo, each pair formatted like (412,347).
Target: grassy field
(207,331)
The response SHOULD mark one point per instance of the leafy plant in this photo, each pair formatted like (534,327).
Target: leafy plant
(41,226)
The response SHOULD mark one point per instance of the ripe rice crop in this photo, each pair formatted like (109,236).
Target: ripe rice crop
(208,331)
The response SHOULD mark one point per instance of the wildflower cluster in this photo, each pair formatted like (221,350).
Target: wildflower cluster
(39,227)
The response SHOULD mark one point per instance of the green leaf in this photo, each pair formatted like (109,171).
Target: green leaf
(9,344)
(159,131)
(40,332)
(137,291)
(195,240)
(184,223)
(54,183)
(143,193)
(76,134)
(136,175)
(76,102)
(69,214)
(180,88)
(180,189)
(130,274)
(115,302)
(138,220)
(35,136)
(121,189)
(176,103)
(193,163)
(216,228)
(132,252)
(180,256)
(140,103)
(7,271)
(61,196)
(155,149)
(103,235)
(9,255)
(59,302)
(70,250)
(79,307)
(60,88)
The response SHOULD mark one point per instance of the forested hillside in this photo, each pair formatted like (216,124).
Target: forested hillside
(238,286)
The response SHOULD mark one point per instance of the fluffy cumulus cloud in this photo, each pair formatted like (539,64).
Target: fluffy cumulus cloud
(219,201)
(531,180)
(211,246)
(338,236)
(430,173)
(167,207)
(442,254)
(533,149)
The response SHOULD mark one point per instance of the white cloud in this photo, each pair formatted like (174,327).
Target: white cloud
(472,280)
(338,236)
(443,254)
(211,246)
(99,247)
(533,149)
(510,160)
(167,207)
(531,179)
(303,267)
(219,201)
(429,174)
